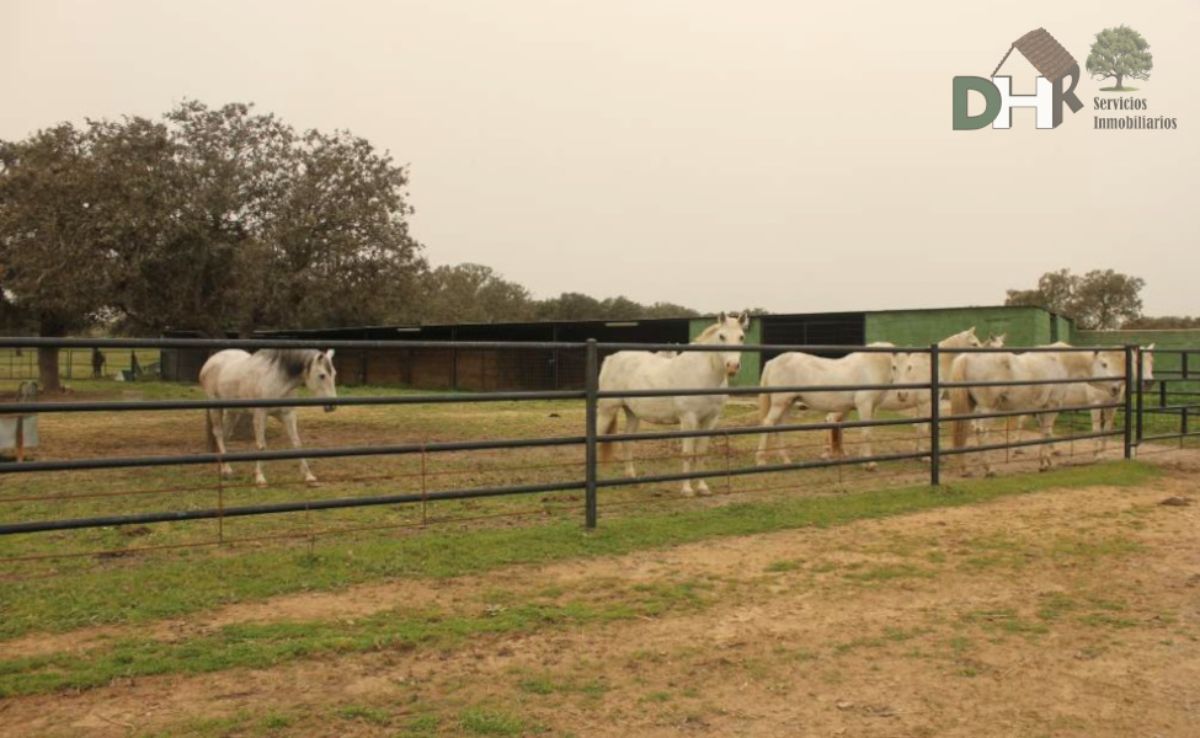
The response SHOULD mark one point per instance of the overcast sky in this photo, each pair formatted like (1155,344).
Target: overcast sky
(716,154)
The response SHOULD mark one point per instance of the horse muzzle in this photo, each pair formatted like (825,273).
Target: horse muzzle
(732,369)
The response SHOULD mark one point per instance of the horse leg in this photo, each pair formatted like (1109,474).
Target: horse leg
(1108,421)
(260,443)
(1098,424)
(1046,422)
(688,422)
(701,450)
(289,423)
(216,415)
(631,426)
(767,440)
(865,412)
(780,441)
(981,431)
(836,449)
(1014,426)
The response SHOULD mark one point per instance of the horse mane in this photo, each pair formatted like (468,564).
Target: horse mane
(707,333)
(289,362)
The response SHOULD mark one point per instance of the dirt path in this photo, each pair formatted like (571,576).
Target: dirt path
(1065,613)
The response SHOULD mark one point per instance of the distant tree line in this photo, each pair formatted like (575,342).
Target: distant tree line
(1102,299)
(218,219)
(473,293)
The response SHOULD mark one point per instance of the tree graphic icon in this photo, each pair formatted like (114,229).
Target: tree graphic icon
(1120,52)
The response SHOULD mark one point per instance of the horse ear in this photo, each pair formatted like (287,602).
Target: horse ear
(745,320)
(329,354)
(1150,347)
(721,317)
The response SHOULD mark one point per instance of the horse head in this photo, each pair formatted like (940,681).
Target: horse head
(1147,354)
(902,373)
(730,329)
(319,376)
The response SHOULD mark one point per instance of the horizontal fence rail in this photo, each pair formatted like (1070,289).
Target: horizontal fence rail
(1134,381)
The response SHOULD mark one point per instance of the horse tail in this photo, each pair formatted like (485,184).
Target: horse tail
(764,399)
(209,440)
(604,449)
(960,401)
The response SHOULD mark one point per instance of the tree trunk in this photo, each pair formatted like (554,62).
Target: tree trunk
(48,377)
(1119,78)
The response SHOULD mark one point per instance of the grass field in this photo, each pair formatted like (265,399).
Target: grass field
(38,496)
(107,614)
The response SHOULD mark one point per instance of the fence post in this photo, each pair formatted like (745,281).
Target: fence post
(591,387)
(1128,402)
(935,416)
(1183,413)
(1141,398)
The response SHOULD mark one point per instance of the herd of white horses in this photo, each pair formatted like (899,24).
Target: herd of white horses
(885,377)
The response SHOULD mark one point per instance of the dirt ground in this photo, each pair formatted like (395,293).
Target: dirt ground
(1061,613)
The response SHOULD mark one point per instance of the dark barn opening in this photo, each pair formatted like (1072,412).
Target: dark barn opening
(823,329)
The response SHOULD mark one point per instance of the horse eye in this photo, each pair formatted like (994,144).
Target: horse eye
(722,337)
(322,376)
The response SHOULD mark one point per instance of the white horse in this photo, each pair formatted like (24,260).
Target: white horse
(269,374)
(1109,364)
(1040,399)
(914,368)
(643,370)
(1094,367)
(799,369)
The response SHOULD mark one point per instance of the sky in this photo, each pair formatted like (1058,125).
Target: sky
(792,156)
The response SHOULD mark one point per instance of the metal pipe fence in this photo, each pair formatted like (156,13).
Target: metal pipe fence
(1133,403)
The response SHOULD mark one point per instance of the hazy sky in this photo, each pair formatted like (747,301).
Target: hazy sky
(717,154)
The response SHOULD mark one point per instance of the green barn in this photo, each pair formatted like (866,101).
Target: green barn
(1022,326)
(542,368)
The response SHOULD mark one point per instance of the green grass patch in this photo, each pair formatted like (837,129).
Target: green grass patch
(887,572)
(261,645)
(175,585)
(370,715)
(776,567)
(480,721)
(1006,620)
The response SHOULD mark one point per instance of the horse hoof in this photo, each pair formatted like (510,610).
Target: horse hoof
(703,490)
(262,483)
(311,482)
(630,474)
(689,492)
(227,472)
(870,466)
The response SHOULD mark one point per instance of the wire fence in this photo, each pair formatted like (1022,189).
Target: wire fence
(1155,409)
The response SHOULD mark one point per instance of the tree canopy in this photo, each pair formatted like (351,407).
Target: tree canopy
(1101,299)
(218,219)
(1119,53)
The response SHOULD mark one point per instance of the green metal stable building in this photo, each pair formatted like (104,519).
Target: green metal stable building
(1023,326)
(538,369)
